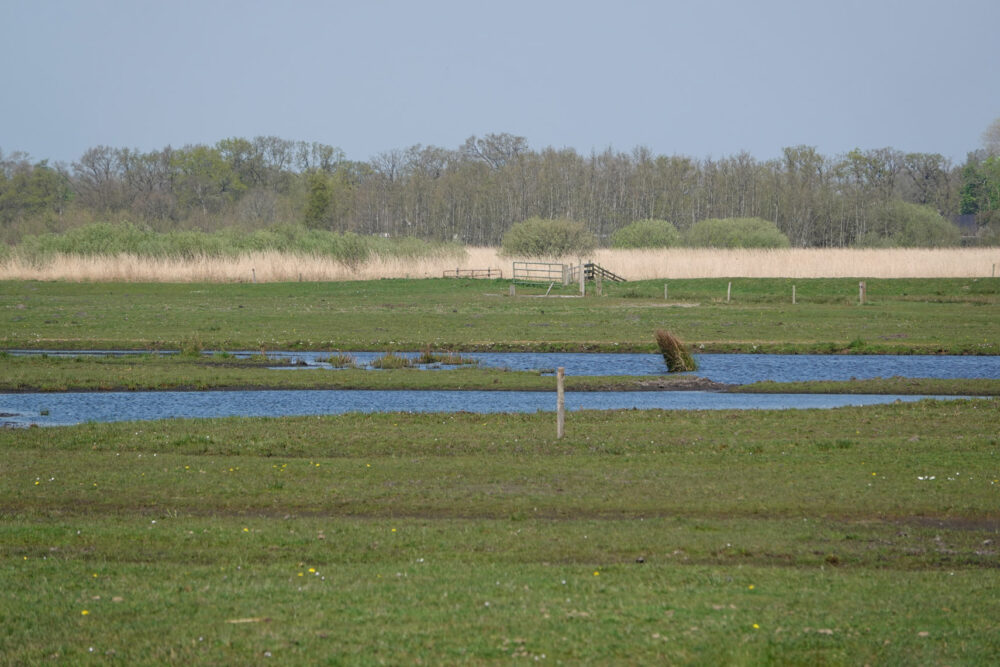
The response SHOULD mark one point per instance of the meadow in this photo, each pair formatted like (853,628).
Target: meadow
(956,315)
(845,536)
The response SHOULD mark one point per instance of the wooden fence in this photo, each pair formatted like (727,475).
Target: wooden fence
(474,273)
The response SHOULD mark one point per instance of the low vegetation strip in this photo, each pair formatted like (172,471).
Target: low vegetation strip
(639,537)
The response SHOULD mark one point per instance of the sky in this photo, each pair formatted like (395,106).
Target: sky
(701,78)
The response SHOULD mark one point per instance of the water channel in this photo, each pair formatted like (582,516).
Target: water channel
(725,368)
(76,407)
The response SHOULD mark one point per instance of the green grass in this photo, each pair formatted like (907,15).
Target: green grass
(799,537)
(902,316)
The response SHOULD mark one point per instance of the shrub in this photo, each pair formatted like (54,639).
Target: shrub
(348,248)
(537,237)
(904,225)
(678,359)
(646,234)
(391,360)
(736,233)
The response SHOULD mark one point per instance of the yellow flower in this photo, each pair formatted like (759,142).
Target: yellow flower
(750,586)
(84,613)
(312,570)
(756,627)
(596,573)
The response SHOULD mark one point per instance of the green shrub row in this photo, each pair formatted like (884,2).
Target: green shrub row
(112,239)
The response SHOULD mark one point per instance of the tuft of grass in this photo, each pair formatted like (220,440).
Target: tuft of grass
(677,358)
(428,356)
(391,360)
(340,360)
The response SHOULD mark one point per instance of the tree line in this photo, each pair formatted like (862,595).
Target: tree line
(476,192)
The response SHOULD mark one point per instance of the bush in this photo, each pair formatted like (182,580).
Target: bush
(646,234)
(112,239)
(676,356)
(536,237)
(904,225)
(736,233)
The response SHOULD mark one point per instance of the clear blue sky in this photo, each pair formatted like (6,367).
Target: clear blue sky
(698,78)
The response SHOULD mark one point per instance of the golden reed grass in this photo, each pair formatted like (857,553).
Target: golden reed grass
(631,264)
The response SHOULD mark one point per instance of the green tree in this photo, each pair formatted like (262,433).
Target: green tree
(646,234)
(319,200)
(33,190)
(902,224)
(537,237)
(204,180)
(736,233)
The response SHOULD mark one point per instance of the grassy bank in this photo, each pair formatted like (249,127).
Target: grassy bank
(841,536)
(153,372)
(149,372)
(901,316)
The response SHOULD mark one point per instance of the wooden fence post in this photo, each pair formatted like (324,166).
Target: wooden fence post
(599,283)
(861,293)
(560,402)
(729,292)
(665,297)
(253,275)
(583,287)
(512,289)
(793,295)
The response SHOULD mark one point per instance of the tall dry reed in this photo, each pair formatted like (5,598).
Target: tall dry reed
(632,264)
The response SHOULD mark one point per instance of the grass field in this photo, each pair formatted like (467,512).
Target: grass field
(847,536)
(674,263)
(903,316)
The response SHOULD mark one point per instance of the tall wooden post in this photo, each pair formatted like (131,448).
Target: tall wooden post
(793,295)
(665,297)
(729,292)
(583,287)
(598,283)
(560,402)
(861,293)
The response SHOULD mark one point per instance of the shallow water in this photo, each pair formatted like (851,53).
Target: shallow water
(726,368)
(73,408)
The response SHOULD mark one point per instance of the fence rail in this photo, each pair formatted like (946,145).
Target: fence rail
(474,273)
(539,272)
(590,272)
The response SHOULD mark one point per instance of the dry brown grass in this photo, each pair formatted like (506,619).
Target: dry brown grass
(632,264)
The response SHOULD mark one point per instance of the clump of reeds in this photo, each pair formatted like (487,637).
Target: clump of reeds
(678,359)
(339,360)
(456,359)
(428,356)
(391,360)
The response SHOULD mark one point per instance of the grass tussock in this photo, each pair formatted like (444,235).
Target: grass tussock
(678,359)
(391,360)
(340,360)
(429,356)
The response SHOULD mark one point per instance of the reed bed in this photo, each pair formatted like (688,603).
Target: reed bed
(632,264)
